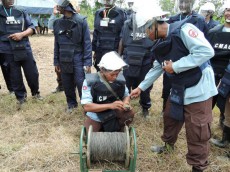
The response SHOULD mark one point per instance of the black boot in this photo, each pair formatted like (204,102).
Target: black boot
(145,112)
(221,120)
(225,138)
(160,149)
(196,170)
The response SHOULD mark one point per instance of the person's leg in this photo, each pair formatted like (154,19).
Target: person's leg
(96,125)
(166,90)
(79,77)
(145,100)
(225,140)
(59,88)
(17,80)
(198,118)
(6,72)
(31,73)
(69,89)
(171,130)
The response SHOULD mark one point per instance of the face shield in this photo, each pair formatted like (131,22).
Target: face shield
(145,22)
(184,6)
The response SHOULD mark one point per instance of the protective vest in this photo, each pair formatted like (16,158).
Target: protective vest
(68,34)
(221,44)
(100,92)
(13,26)
(109,36)
(212,23)
(136,52)
(172,48)
(194,19)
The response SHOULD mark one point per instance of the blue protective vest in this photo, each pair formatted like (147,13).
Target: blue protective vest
(108,37)
(221,44)
(172,48)
(69,35)
(100,92)
(195,19)
(18,48)
(136,52)
(7,28)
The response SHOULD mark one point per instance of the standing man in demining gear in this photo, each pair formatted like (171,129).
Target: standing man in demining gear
(137,54)
(185,12)
(181,50)
(15,27)
(219,38)
(72,51)
(108,23)
(207,10)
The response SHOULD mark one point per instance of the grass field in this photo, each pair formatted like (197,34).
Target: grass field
(42,137)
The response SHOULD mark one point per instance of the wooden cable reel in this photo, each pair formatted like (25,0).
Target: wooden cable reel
(112,146)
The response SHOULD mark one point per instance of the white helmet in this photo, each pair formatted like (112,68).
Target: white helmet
(208,6)
(112,61)
(144,17)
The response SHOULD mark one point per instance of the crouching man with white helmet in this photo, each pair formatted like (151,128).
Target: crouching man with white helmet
(182,52)
(105,98)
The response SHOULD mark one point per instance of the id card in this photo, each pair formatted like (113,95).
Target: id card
(104,23)
(10,19)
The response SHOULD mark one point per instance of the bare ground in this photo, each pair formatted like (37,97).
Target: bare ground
(42,137)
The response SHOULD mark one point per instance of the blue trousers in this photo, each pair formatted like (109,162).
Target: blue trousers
(31,74)
(72,80)
(4,63)
(133,82)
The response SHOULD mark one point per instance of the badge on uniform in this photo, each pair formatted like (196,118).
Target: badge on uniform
(104,22)
(10,20)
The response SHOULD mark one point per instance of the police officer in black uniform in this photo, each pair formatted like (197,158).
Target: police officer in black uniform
(186,12)
(137,54)
(15,27)
(72,51)
(107,27)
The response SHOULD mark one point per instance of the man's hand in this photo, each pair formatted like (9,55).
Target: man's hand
(87,69)
(135,93)
(168,66)
(57,68)
(117,105)
(16,36)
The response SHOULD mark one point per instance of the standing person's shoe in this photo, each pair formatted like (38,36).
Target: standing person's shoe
(71,109)
(224,142)
(37,97)
(145,112)
(20,103)
(161,149)
(58,89)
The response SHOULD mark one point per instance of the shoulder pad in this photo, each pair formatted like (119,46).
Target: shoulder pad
(79,17)
(91,78)
(219,27)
